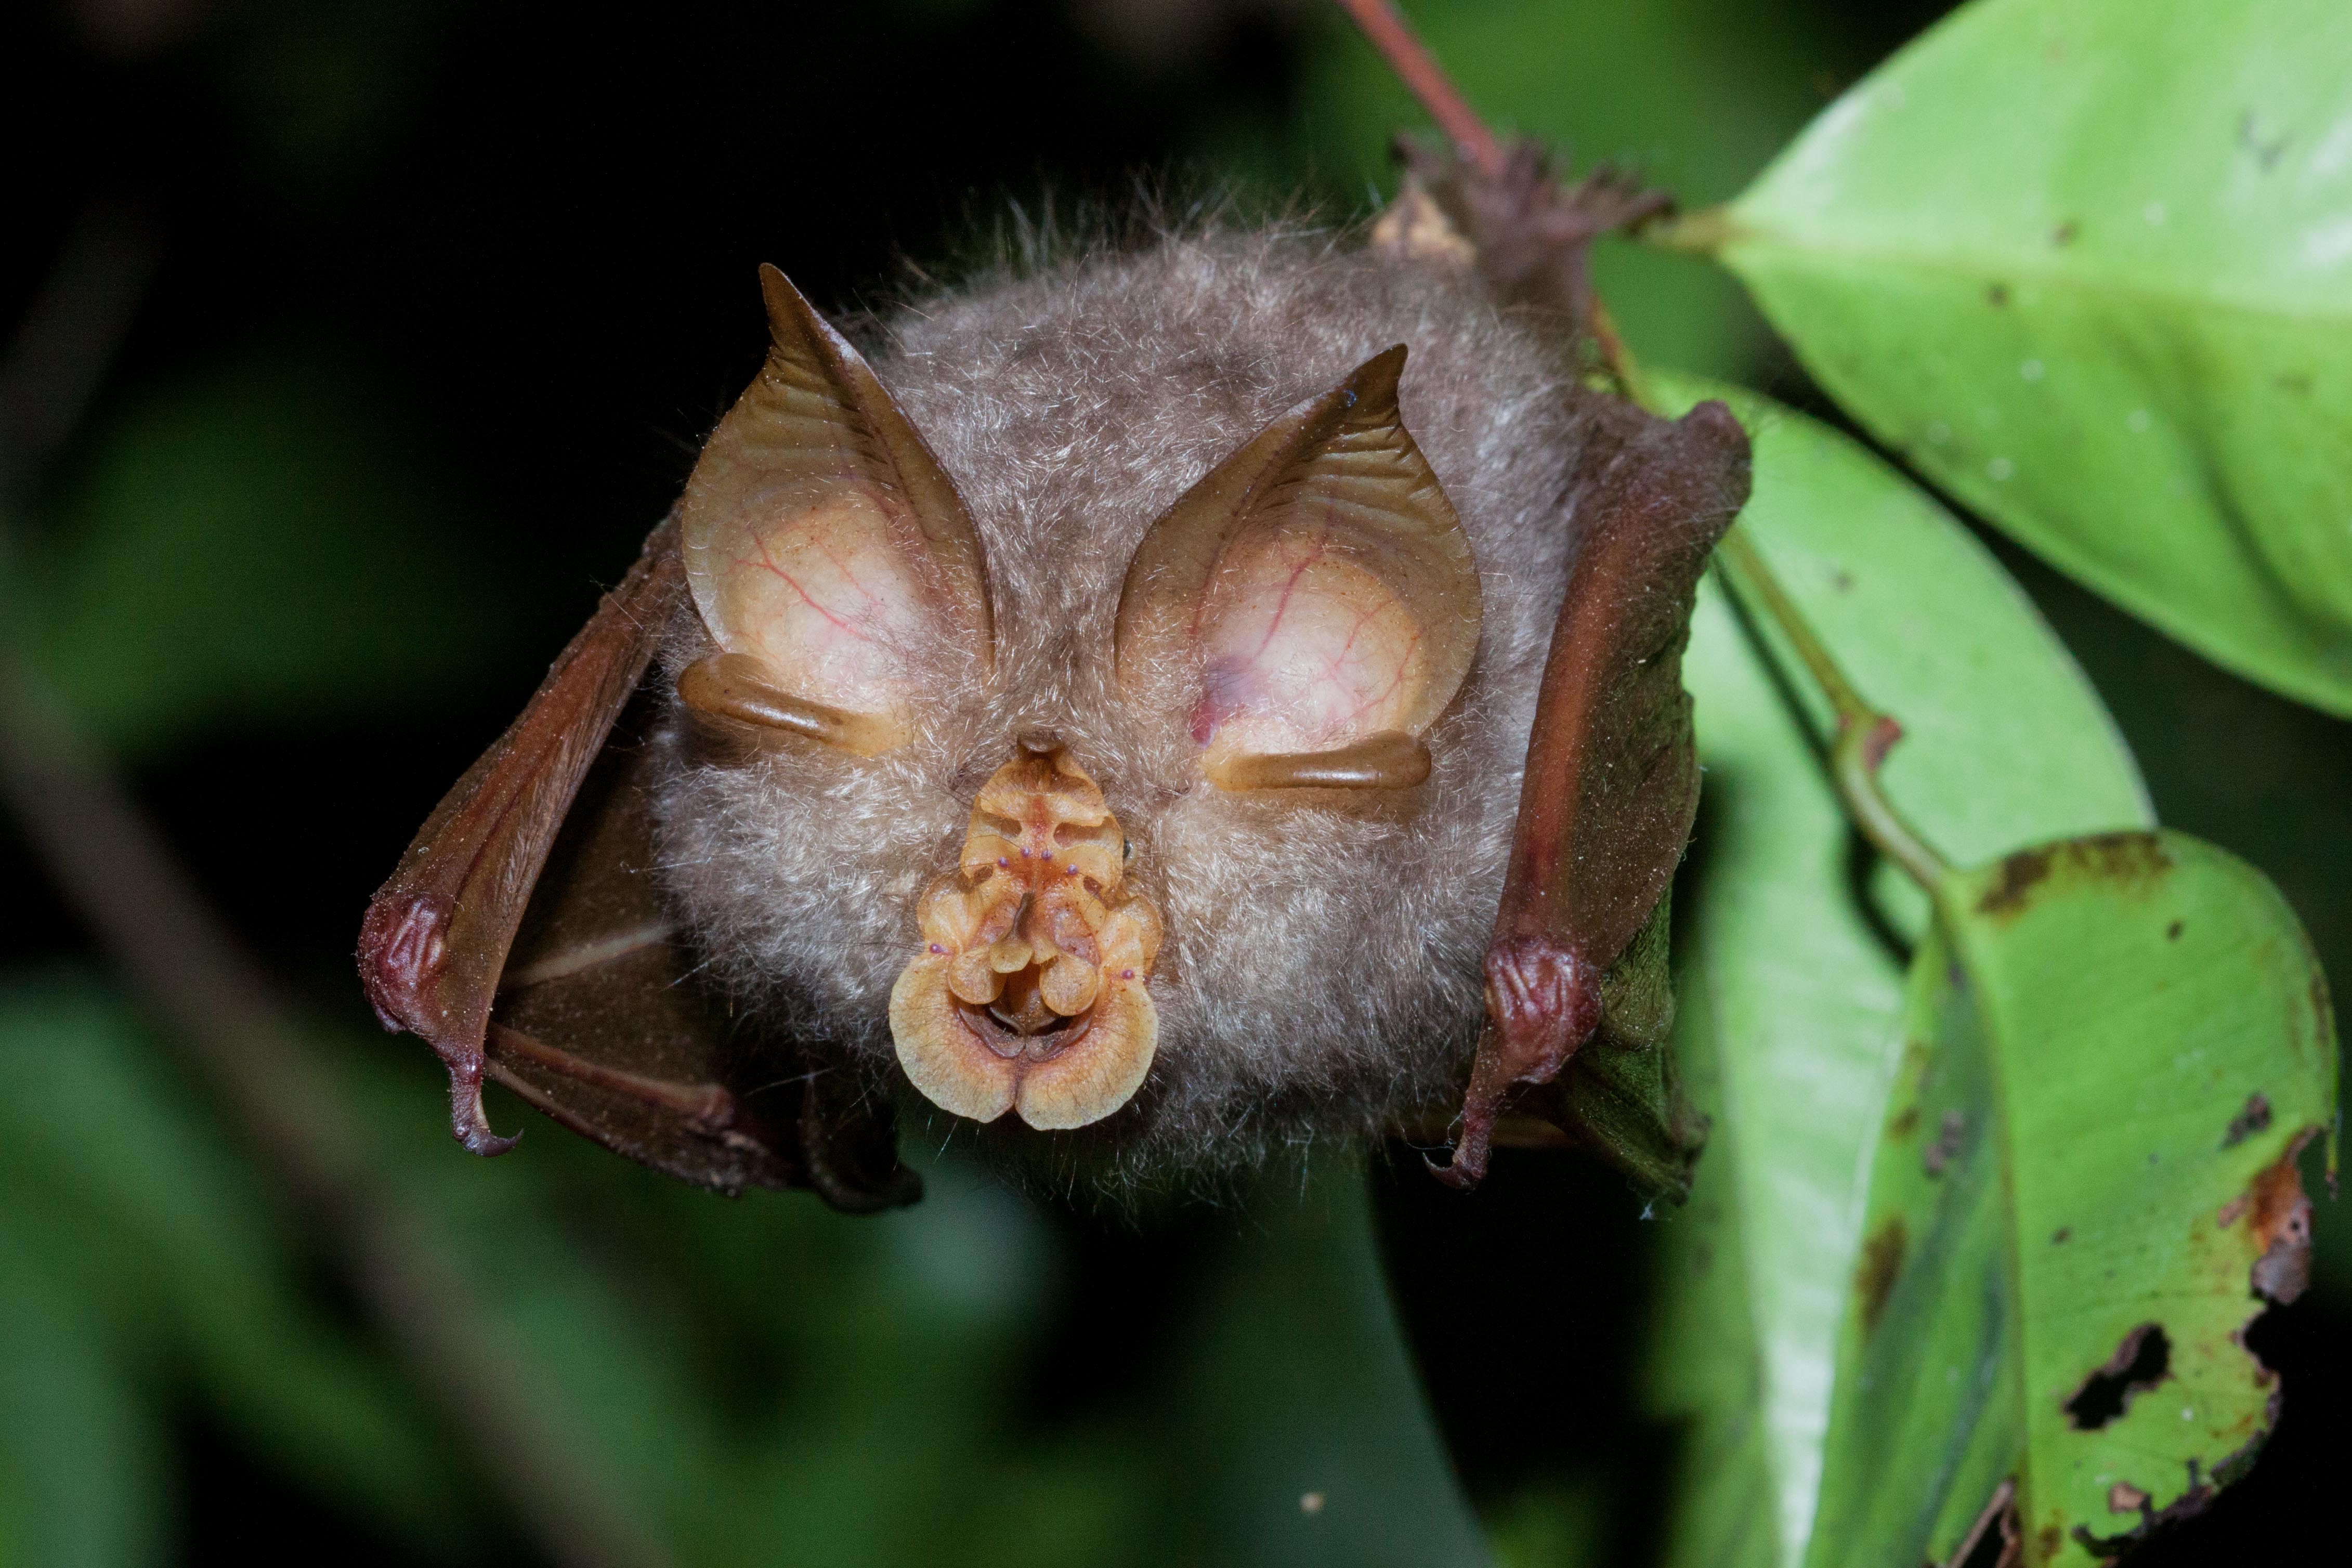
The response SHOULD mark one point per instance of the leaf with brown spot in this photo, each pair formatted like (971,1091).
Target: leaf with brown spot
(2077,1041)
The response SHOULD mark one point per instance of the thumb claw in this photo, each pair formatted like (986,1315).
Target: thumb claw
(469,1123)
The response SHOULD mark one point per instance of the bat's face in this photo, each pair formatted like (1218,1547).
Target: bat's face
(1160,778)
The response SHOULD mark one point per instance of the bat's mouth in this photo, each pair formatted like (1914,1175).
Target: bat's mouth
(1029,993)
(1022,1023)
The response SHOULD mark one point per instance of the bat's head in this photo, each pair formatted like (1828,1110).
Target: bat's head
(1100,752)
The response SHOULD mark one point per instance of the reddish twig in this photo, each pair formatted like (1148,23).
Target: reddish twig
(1385,26)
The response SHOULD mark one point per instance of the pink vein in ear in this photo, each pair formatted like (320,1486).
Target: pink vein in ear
(822,597)
(1308,649)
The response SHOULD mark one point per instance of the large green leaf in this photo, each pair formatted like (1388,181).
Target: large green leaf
(2088,263)
(1792,987)
(2111,1061)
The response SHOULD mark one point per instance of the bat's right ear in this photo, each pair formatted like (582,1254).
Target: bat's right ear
(829,555)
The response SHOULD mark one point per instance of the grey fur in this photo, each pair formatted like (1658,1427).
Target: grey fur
(1321,968)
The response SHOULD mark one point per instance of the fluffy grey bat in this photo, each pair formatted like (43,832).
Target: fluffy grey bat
(1151,706)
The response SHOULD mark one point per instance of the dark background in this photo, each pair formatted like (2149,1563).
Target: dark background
(438,301)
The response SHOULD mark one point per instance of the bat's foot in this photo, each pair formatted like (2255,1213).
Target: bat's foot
(1529,234)
(1542,1003)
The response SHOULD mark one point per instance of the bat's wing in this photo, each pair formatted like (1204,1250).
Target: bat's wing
(1578,1007)
(522,935)
(1577,995)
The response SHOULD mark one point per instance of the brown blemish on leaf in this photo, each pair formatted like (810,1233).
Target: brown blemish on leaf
(2019,875)
(2062,1235)
(1882,1260)
(2063,235)
(2126,1498)
(1997,296)
(2142,1359)
(1906,1121)
(1946,1146)
(2282,1228)
(2133,860)
(2249,1121)
(2053,1538)
(2230,1213)
(2173,932)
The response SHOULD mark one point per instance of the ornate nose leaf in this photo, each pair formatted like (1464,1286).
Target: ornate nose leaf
(1029,992)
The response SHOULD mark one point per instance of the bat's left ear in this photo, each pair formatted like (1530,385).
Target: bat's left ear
(1311,606)
(830,556)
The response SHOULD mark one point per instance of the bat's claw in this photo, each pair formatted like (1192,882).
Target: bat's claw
(469,1123)
(1465,1169)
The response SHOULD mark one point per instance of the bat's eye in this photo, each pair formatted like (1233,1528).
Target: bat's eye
(829,556)
(1312,605)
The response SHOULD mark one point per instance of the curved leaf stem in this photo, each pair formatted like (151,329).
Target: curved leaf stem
(1864,735)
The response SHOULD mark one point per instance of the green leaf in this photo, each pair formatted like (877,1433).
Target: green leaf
(2088,263)
(2111,1063)
(1791,988)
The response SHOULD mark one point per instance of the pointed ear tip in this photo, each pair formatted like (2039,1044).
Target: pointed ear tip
(782,298)
(1377,376)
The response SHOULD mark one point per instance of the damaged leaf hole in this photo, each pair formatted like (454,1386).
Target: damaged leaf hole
(2142,1360)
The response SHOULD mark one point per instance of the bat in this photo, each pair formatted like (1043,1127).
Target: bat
(1152,705)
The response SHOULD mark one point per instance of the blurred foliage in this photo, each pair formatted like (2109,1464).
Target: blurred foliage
(772,1381)
(510,246)
(258,542)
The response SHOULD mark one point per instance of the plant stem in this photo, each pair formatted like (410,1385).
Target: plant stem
(1618,358)
(1387,30)
(1864,734)
(1701,233)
